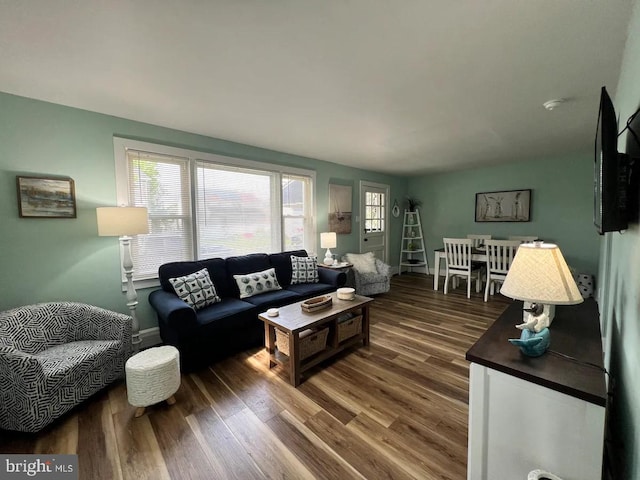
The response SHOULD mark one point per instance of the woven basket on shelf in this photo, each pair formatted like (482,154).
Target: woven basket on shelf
(311,342)
(349,327)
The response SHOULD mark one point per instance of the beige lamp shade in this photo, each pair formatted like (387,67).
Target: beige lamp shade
(539,274)
(122,221)
(328,240)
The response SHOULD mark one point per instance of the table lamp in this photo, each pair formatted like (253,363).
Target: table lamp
(123,222)
(328,240)
(540,277)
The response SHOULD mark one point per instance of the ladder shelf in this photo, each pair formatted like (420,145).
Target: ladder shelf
(412,250)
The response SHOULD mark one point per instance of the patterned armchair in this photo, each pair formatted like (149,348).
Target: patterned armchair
(55,355)
(369,275)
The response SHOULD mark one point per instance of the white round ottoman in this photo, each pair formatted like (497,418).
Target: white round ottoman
(153,375)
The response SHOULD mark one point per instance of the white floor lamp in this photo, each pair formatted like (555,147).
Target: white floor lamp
(123,222)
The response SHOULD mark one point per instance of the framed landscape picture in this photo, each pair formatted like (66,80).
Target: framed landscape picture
(46,197)
(506,206)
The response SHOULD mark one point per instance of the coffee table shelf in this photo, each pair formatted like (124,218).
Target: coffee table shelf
(292,320)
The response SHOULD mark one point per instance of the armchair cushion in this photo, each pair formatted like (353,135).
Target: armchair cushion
(363,262)
(370,282)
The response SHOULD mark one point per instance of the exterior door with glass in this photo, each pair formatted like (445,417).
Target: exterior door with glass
(374,214)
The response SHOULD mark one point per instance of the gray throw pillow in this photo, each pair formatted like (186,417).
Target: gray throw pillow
(304,270)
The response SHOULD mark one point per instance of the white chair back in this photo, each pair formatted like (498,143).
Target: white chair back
(523,238)
(478,240)
(500,254)
(458,253)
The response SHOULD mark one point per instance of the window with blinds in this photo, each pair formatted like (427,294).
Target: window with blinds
(160,183)
(237,211)
(297,218)
(205,206)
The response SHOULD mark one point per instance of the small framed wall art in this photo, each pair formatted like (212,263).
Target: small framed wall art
(46,197)
(506,206)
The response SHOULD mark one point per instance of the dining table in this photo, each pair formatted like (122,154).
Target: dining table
(477,255)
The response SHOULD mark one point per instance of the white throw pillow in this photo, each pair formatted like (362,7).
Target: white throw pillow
(304,270)
(363,262)
(259,282)
(196,289)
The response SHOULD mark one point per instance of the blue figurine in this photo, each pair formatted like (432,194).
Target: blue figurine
(535,337)
(532,344)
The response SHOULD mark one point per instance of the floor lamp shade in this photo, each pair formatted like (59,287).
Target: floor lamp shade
(122,221)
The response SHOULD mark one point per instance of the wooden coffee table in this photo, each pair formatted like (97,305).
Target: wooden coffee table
(292,320)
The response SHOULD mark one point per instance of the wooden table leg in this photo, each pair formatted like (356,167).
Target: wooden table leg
(270,340)
(365,325)
(294,358)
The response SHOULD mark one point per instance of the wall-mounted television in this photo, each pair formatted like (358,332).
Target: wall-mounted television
(611,172)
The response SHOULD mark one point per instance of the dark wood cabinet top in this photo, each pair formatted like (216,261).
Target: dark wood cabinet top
(575,332)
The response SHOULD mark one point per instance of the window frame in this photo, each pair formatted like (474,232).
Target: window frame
(122,144)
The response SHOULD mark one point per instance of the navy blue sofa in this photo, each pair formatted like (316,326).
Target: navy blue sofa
(232,325)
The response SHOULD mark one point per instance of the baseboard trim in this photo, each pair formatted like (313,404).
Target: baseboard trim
(150,337)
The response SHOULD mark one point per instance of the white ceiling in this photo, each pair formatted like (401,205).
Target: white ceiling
(405,86)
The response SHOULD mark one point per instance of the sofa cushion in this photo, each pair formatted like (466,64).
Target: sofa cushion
(304,270)
(306,290)
(195,289)
(217,273)
(255,283)
(282,263)
(243,264)
(276,298)
(229,308)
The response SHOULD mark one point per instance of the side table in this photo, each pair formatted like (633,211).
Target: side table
(342,267)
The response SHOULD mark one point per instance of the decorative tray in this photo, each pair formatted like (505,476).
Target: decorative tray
(317,303)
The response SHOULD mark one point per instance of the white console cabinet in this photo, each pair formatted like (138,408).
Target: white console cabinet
(538,413)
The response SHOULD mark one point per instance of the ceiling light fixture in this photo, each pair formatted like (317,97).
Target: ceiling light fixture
(551,104)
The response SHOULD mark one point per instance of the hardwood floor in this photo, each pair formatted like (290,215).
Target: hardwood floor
(396,409)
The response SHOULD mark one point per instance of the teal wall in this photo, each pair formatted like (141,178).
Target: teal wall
(620,294)
(64,259)
(561,205)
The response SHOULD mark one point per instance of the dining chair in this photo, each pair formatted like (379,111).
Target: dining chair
(500,255)
(523,238)
(478,240)
(458,258)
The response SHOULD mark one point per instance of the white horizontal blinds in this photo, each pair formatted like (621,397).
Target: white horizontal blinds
(374,212)
(297,217)
(236,209)
(160,183)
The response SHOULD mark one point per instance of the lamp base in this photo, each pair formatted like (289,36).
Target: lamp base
(328,257)
(548,310)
